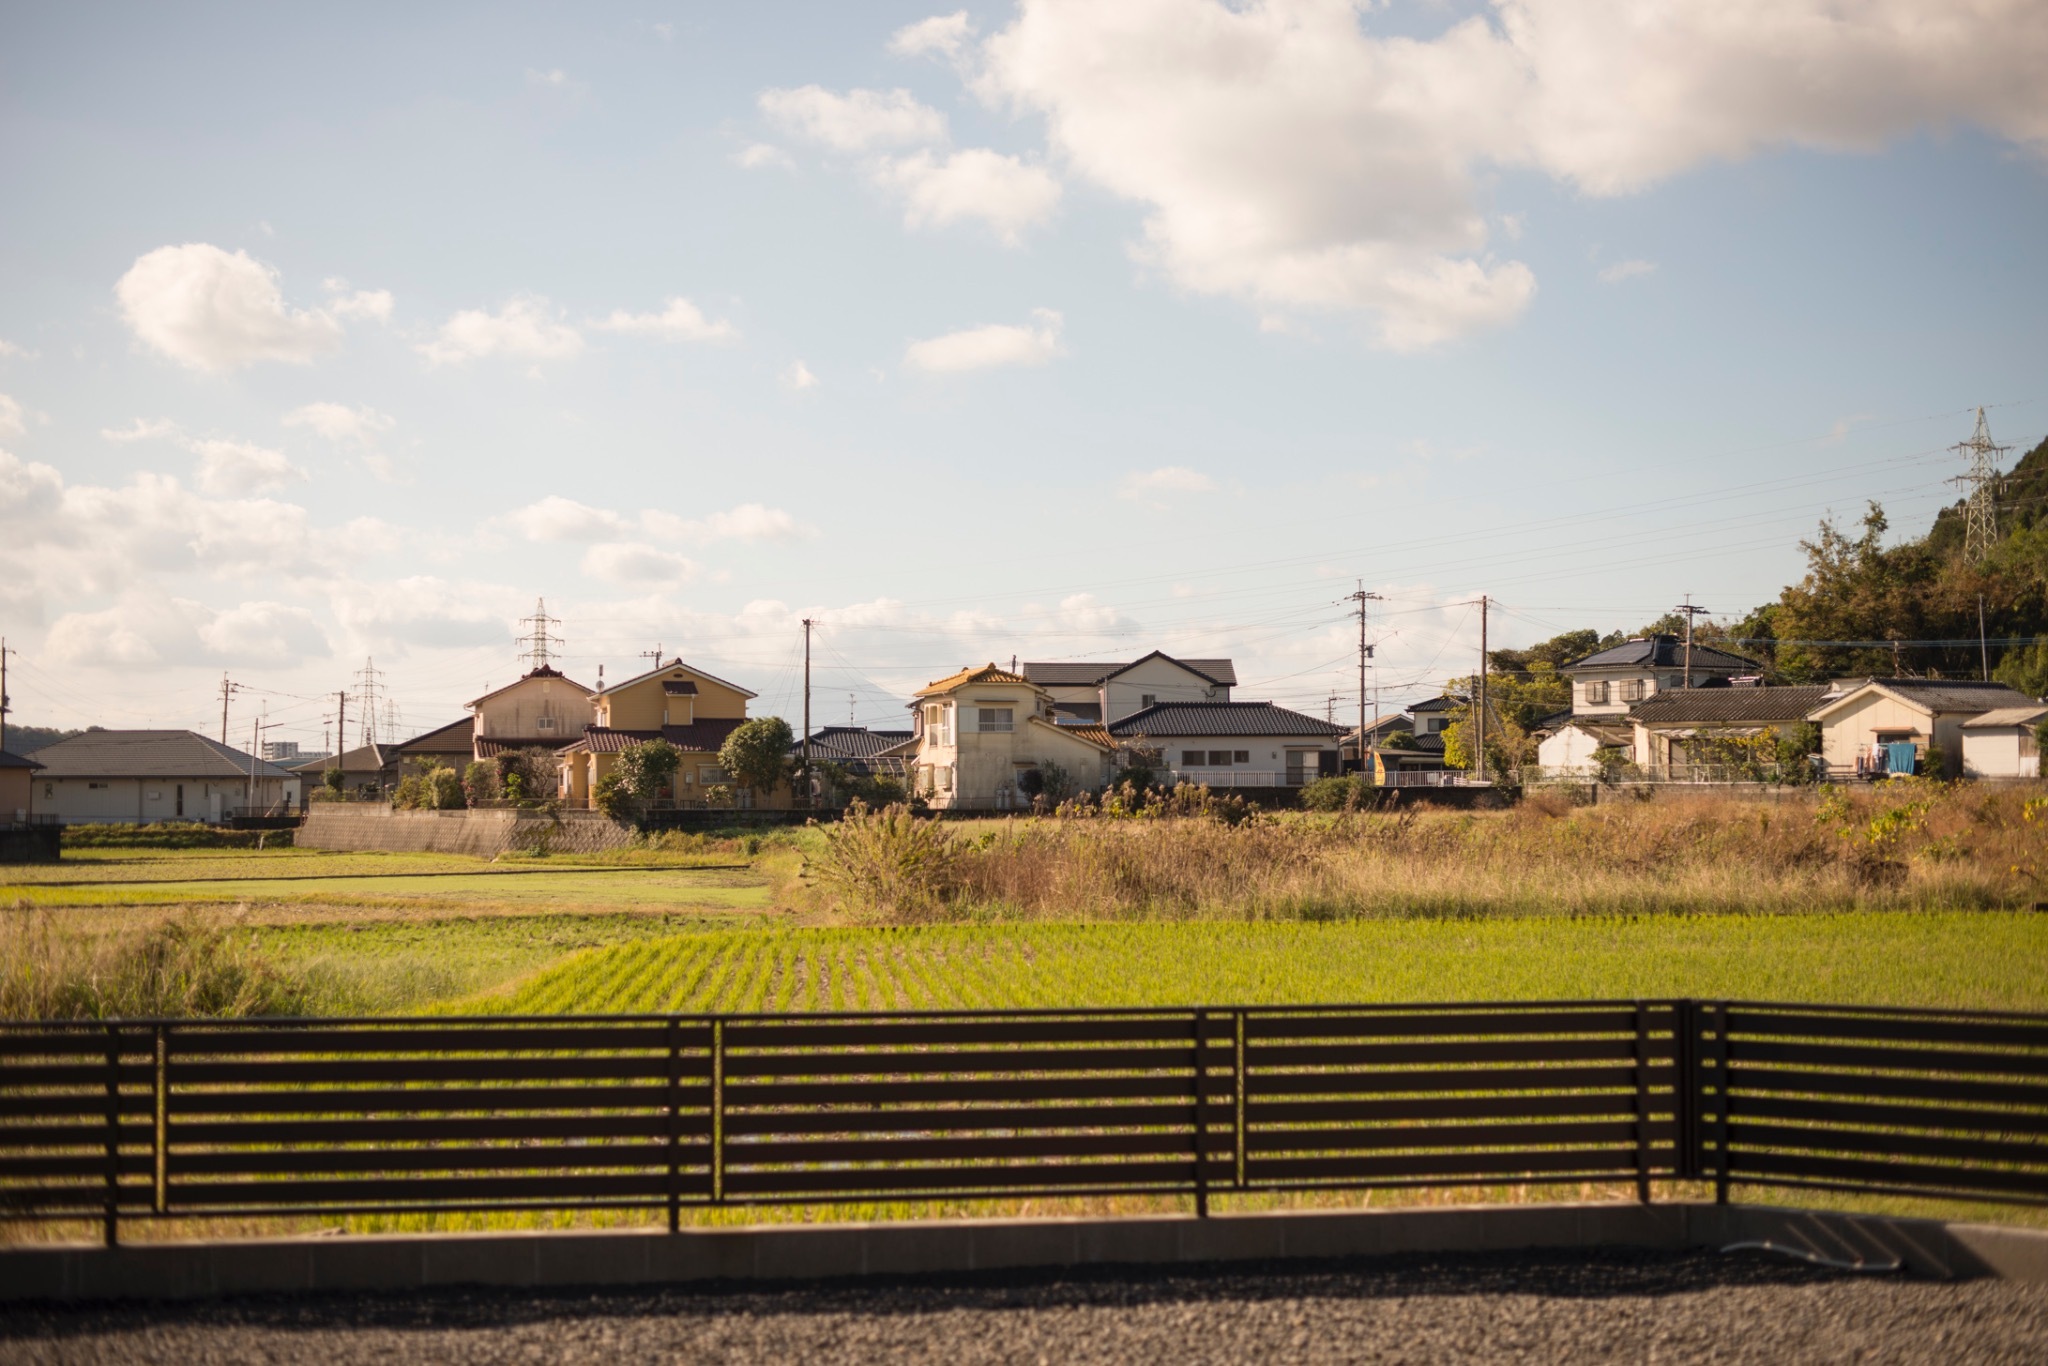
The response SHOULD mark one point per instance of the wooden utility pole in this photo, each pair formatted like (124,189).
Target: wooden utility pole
(1479,700)
(340,725)
(4,707)
(1983,654)
(1361,597)
(808,624)
(1690,612)
(227,689)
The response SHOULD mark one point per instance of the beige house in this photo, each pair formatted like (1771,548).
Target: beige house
(136,776)
(17,787)
(1999,744)
(543,707)
(1608,682)
(692,710)
(1866,731)
(1091,693)
(980,731)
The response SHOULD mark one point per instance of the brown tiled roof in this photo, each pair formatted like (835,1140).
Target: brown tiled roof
(679,687)
(454,738)
(987,673)
(702,737)
(1094,735)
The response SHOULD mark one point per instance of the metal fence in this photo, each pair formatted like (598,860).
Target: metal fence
(190,1119)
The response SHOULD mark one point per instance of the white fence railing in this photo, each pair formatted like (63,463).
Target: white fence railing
(1246,777)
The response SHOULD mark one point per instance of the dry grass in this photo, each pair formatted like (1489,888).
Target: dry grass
(1902,845)
(184,966)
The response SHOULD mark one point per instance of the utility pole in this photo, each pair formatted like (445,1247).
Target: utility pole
(1983,649)
(340,725)
(849,711)
(1980,514)
(808,624)
(1479,700)
(653,654)
(1361,597)
(227,690)
(4,707)
(1690,612)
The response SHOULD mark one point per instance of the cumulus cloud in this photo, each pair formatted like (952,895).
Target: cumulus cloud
(1002,191)
(944,34)
(11,417)
(340,423)
(857,121)
(234,468)
(630,563)
(996,344)
(1149,485)
(214,310)
(761,156)
(525,328)
(798,377)
(425,610)
(1289,156)
(142,429)
(555,518)
(10,351)
(680,320)
(1625,270)
(375,304)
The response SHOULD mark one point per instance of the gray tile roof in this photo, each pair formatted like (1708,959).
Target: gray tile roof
(1086,673)
(1169,719)
(1744,705)
(1430,704)
(10,760)
(832,743)
(2008,716)
(1948,694)
(1664,652)
(457,737)
(148,754)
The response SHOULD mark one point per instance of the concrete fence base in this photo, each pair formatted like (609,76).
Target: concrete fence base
(363,826)
(800,1252)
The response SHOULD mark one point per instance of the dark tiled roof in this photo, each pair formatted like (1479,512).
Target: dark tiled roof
(1438,704)
(454,738)
(1663,652)
(1168,719)
(1945,694)
(831,743)
(679,687)
(1430,742)
(699,737)
(10,760)
(361,759)
(148,754)
(1761,705)
(1082,674)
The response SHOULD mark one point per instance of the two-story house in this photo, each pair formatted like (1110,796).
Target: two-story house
(692,710)
(1608,682)
(1092,693)
(543,707)
(980,732)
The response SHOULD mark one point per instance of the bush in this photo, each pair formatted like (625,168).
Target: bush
(480,781)
(611,797)
(172,835)
(431,789)
(334,780)
(176,968)
(889,860)
(1347,793)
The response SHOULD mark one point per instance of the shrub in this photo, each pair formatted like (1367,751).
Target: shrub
(1346,793)
(178,967)
(480,781)
(431,789)
(611,797)
(889,860)
(334,780)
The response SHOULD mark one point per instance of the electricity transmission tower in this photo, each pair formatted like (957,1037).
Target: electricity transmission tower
(1980,514)
(540,641)
(369,688)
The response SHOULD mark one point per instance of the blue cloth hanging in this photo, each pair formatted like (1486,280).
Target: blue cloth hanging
(1900,757)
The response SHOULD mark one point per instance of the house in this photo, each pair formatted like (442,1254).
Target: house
(1608,682)
(1376,734)
(366,771)
(1232,744)
(17,787)
(854,747)
(156,775)
(1887,725)
(985,737)
(1572,746)
(677,702)
(1093,693)
(543,707)
(451,746)
(1999,744)
(1676,729)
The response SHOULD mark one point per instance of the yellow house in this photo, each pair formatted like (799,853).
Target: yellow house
(691,709)
(980,731)
(17,787)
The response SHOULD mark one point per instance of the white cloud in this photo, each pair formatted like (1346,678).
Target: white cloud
(747,522)
(856,121)
(375,304)
(665,31)
(798,377)
(1292,158)
(981,348)
(942,33)
(142,430)
(340,423)
(11,417)
(10,351)
(1625,270)
(265,633)
(761,156)
(637,564)
(235,468)
(1001,191)
(213,310)
(555,79)
(523,328)
(1150,484)
(555,518)
(680,320)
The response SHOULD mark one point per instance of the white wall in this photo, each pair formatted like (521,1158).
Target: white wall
(1568,751)
(78,801)
(2007,752)
(1164,682)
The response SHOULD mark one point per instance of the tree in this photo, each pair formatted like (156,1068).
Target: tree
(646,768)
(756,754)
(334,780)
(480,781)
(2025,668)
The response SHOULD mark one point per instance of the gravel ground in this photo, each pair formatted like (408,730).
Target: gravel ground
(1618,1306)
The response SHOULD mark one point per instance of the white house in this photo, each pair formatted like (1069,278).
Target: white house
(1233,744)
(2004,743)
(1608,682)
(1092,693)
(1867,731)
(132,776)
(983,733)
(1570,748)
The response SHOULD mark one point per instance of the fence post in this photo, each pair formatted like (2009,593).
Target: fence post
(675,1136)
(112,1215)
(718,1111)
(160,1124)
(1239,1167)
(1643,1102)
(1685,1031)
(1201,1119)
(1717,1061)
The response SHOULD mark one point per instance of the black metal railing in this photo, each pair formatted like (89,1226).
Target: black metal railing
(154,1119)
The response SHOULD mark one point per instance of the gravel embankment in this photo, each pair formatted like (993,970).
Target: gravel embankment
(1616,1306)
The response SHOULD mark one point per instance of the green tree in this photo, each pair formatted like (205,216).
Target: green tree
(756,754)
(646,768)
(2025,668)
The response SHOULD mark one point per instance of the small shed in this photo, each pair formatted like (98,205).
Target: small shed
(2004,743)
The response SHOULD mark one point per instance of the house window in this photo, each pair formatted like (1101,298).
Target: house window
(94,787)
(1632,690)
(1596,695)
(1437,723)
(1240,756)
(543,723)
(1148,699)
(936,729)
(1219,758)
(1192,758)
(996,720)
(709,774)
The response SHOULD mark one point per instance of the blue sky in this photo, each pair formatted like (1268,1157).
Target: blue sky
(1047,330)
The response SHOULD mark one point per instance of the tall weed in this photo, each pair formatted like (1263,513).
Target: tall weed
(173,967)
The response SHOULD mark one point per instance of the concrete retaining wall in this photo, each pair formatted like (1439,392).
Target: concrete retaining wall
(359,826)
(798,1252)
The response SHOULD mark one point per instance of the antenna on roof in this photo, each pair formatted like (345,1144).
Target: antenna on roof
(539,639)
